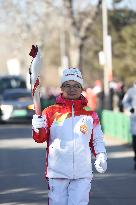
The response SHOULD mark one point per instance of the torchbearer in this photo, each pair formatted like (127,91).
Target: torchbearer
(73,133)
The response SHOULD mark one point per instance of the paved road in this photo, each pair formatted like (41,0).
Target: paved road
(22,171)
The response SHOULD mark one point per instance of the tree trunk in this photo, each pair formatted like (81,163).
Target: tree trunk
(76,52)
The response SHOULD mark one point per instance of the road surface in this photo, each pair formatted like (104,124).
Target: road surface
(22,171)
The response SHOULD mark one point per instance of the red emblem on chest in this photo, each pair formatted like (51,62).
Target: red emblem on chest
(83,129)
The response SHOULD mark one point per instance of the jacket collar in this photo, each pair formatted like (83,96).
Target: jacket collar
(82,101)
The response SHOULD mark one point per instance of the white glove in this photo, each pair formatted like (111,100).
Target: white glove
(38,122)
(101,163)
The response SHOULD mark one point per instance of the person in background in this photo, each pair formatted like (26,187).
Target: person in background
(133,133)
(73,133)
(129,103)
(121,92)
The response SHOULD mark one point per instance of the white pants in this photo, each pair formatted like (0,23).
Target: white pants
(69,191)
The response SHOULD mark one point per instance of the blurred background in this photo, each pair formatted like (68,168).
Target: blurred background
(99,37)
(96,36)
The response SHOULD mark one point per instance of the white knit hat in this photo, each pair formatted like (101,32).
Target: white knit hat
(72,74)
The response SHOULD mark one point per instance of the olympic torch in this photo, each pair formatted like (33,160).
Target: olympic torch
(34,72)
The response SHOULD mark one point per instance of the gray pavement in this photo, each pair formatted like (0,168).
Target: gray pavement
(22,171)
(118,185)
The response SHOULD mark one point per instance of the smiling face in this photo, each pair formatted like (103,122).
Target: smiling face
(71,90)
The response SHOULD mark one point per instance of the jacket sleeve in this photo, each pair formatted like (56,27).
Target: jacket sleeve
(96,143)
(43,134)
(127,100)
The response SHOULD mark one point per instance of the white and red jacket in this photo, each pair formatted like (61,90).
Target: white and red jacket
(73,132)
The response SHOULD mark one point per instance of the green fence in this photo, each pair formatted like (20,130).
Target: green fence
(116,124)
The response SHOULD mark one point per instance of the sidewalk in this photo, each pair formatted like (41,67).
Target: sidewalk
(117,148)
(111,141)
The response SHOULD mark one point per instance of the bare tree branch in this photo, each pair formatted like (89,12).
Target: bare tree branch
(89,21)
(69,14)
(79,27)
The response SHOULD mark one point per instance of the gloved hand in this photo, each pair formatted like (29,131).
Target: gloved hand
(38,122)
(101,163)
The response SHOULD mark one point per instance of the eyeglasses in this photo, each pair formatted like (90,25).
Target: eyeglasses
(76,86)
